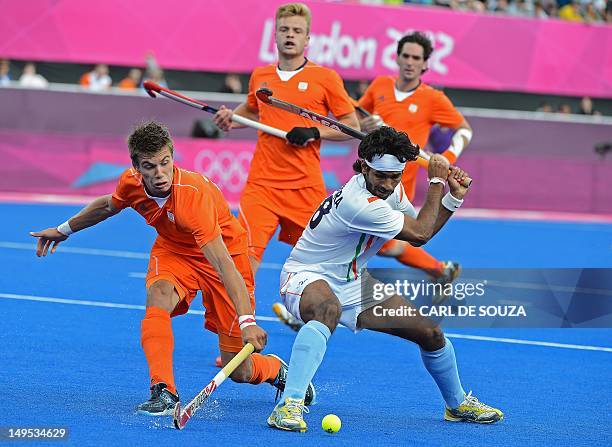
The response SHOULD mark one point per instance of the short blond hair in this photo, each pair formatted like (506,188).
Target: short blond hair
(294,9)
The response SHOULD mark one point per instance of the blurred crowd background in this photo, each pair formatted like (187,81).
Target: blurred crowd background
(101,78)
(572,10)
(66,113)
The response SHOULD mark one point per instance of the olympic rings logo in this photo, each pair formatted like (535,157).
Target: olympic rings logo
(229,170)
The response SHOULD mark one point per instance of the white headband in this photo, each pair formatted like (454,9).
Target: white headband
(386,163)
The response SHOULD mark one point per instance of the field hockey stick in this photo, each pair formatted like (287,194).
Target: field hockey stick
(153,89)
(265,96)
(363,111)
(424,157)
(182,415)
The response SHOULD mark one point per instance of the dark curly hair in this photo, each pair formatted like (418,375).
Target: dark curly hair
(386,140)
(148,138)
(418,38)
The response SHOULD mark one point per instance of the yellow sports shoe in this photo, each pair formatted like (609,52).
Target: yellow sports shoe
(472,410)
(288,416)
(285,317)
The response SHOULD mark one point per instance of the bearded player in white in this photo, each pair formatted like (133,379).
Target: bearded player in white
(321,282)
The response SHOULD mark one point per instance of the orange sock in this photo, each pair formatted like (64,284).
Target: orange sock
(419,258)
(158,344)
(265,368)
(387,246)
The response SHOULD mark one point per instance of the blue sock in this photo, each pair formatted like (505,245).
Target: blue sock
(308,351)
(442,366)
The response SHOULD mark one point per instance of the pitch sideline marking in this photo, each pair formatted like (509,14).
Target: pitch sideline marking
(265,318)
(105,252)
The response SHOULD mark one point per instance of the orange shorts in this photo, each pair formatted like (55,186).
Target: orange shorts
(263,209)
(189,274)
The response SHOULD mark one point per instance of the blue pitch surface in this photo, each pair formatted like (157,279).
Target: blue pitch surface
(82,367)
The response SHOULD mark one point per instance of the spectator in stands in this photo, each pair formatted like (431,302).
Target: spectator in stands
(30,78)
(132,80)
(97,79)
(232,84)
(521,8)
(154,72)
(476,5)
(590,13)
(5,72)
(545,107)
(467,5)
(571,12)
(552,9)
(158,77)
(501,6)
(565,108)
(586,107)
(538,11)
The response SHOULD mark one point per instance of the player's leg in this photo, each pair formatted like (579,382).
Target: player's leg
(158,344)
(169,293)
(259,368)
(222,319)
(258,215)
(285,316)
(313,301)
(437,353)
(443,272)
(293,220)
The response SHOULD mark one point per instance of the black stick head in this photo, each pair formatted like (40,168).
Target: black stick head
(264,95)
(151,88)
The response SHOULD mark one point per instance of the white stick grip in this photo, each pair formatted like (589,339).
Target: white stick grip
(259,126)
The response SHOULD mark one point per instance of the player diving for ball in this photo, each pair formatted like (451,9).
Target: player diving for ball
(322,280)
(200,246)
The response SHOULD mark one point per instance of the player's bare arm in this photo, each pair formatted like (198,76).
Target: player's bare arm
(368,120)
(223,118)
(460,140)
(457,191)
(98,210)
(420,230)
(464,131)
(371,123)
(464,125)
(218,256)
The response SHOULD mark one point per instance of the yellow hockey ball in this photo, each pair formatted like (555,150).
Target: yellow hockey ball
(331,423)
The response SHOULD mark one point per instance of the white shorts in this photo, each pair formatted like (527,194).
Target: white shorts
(349,294)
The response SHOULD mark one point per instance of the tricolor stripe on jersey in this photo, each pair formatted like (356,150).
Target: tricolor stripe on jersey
(353,265)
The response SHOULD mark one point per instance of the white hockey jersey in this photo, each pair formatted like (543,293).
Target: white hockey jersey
(348,229)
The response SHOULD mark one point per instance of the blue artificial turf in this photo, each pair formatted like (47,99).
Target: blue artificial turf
(82,367)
